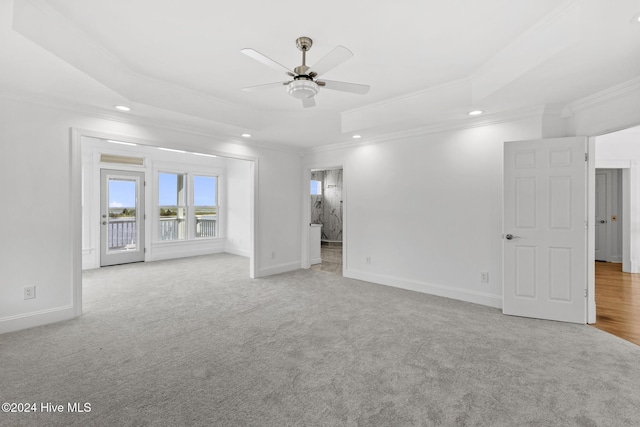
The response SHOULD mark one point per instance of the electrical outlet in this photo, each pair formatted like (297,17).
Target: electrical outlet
(484,277)
(29,292)
(368,260)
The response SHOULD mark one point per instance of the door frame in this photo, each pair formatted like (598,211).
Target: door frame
(76,202)
(305,258)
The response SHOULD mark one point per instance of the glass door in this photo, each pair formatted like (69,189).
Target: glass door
(121,217)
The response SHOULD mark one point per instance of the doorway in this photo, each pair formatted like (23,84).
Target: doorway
(608,215)
(121,217)
(326,210)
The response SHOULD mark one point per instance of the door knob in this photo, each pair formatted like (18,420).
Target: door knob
(510,236)
(603,221)
(104,222)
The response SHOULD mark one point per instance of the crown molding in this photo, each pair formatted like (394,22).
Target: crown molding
(454,125)
(602,97)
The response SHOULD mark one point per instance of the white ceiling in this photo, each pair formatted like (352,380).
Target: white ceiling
(428,62)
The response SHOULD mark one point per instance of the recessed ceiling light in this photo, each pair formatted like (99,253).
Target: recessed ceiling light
(636,19)
(356,136)
(120,142)
(246,135)
(122,108)
(475,112)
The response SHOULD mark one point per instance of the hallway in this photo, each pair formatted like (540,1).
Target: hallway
(617,301)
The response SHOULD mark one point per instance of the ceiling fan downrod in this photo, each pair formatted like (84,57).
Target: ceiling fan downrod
(303,44)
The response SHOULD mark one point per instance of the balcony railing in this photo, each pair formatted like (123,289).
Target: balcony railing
(122,233)
(175,229)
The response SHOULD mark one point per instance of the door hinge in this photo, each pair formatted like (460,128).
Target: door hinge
(585,293)
(586,157)
(145,251)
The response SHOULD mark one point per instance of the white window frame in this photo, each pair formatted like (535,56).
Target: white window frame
(189,172)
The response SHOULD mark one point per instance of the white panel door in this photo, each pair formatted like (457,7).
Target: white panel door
(545,234)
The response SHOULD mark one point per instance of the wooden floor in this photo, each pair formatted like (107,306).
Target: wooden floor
(618,301)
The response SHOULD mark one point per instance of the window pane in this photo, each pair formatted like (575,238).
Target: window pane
(205,200)
(316,188)
(171,187)
(122,233)
(172,209)
(204,190)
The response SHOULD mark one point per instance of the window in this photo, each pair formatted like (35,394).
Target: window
(316,188)
(172,206)
(188,206)
(205,203)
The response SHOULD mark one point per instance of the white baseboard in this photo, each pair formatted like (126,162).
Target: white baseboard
(278,269)
(235,251)
(428,288)
(616,259)
(316,261)
(38,318)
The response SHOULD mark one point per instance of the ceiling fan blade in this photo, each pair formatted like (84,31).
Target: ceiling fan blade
(264,86)
(308,102)
(332,59)
(252,53)
(344,86)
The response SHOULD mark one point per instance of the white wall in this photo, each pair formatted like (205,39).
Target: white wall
(279,209)
(35,176)
(238,205)
(427,209)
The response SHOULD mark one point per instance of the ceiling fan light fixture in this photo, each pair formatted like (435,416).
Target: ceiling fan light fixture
(302,88)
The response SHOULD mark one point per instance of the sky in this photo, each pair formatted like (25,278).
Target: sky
(122,193)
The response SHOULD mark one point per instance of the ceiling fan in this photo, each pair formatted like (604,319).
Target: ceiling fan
(305,84)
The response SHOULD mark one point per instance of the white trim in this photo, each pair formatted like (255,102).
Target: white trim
(278,269)
(180,249)
(591,230)
(37,318)
(305,254)
(75,219)
(428,288)
(453,125)
(604,96)
(239,252)
(254,209)
(613,164)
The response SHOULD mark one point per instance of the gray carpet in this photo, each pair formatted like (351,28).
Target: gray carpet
(195,342)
